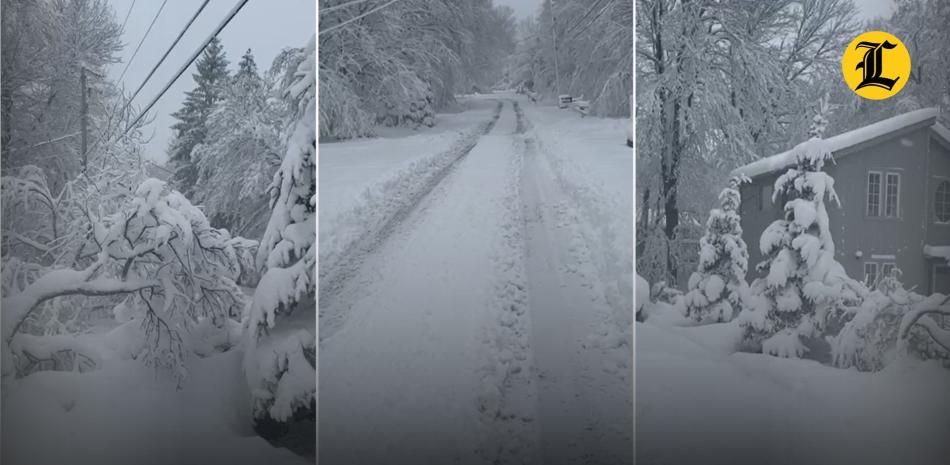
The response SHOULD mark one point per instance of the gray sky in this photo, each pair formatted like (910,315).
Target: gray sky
(523,8)
(870,9)
(264,26)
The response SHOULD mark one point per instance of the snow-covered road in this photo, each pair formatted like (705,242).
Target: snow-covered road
(473,331)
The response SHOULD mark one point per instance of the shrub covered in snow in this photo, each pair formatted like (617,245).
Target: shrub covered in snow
(804,284)
(157,259)
(718,285)
(280,358)
(882,328)
(642,297)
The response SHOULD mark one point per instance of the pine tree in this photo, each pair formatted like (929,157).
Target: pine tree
(244,141)
(280,359)
(805,284)
(717,287)
(191,128)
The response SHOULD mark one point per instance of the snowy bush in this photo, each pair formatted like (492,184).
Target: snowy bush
(642,297)
(158,258)
(280,358)
(718,286)
(873,337)
(804,285)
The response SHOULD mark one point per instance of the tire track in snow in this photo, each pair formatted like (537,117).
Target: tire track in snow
(406,192)
(508,395)
(401,379)
(584,407)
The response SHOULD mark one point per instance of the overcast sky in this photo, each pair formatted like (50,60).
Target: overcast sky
(523,8)
(264,26)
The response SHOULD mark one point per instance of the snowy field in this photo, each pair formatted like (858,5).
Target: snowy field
(480,322)
(698,401)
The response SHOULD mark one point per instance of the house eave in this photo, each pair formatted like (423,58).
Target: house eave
(850,142)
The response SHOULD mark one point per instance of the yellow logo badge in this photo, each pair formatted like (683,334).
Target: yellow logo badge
(876,65)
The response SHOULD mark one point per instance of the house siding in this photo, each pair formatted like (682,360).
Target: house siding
(937,233)
(912,155)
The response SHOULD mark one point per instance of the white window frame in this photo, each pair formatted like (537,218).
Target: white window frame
(936,218)
(884,194)
(881,197)
(877,270)
(884,268)
(867,194)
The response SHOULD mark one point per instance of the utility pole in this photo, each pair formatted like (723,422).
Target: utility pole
(83,116)
(557,74)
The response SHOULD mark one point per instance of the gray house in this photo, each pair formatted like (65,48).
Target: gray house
(893,178)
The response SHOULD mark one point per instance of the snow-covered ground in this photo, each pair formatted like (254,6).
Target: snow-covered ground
(698,401)
(482,322)
(127,413)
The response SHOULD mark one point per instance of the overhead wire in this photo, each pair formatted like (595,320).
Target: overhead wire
(340,6)
(234,11)
(167,52)
(127,14)
(357,18)
(139,46)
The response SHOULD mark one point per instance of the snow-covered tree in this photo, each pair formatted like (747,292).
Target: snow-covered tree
(595,65)
(717,287)
(804,283)
(241,151)
(157,260)
(396,66)
(191,129)
(722,82)
(47,47)
(892,321)
(280,358)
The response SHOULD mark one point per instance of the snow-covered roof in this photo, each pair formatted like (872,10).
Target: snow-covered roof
(847,139)
(937,251)
(942,131)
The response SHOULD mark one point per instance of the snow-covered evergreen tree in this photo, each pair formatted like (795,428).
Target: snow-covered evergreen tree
(804,284)
(718,286)
(280,362)
(241,152)
(191,128)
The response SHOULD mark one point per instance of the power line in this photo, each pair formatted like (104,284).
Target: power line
(127,14)
(143,40)
(344,23)
(162,60)
(128,102)
(337,7)
(234,11)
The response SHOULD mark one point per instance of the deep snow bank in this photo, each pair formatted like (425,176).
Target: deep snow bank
(127,413)
(360,198)
(697,402)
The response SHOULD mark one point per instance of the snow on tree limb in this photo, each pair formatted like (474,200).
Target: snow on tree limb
(280,357)
(17,307)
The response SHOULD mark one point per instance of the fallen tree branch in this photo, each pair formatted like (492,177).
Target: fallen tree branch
(57,283)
